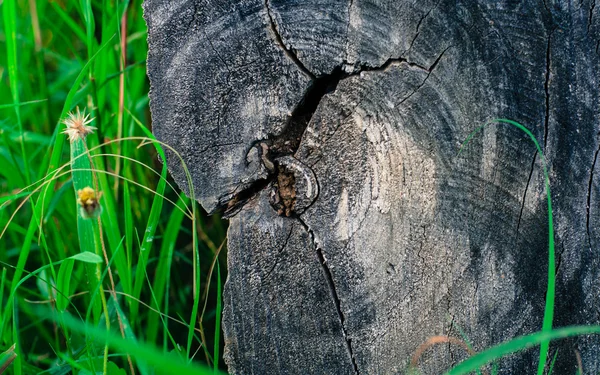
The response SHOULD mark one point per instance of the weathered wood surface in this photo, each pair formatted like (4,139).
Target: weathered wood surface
(404,239)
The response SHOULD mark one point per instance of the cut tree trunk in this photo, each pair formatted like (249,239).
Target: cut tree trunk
(329,133)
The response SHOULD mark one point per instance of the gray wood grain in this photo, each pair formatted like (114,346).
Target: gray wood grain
(404,239)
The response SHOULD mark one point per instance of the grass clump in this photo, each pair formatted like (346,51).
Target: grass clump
(104,265)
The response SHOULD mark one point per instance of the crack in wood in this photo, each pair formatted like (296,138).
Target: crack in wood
(230,207)
(591,15)
(419,26)
(453,358)
(289,52)
(351,3)
(389,62)
(429,71)
(589,198)
(333,291)
(547,90)
(525,193)
(284,144)
(276,256)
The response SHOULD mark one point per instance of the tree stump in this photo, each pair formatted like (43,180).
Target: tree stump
(329,133)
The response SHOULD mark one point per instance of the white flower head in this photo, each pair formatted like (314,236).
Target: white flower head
(77,125)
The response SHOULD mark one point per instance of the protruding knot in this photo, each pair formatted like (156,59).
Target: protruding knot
(295,187)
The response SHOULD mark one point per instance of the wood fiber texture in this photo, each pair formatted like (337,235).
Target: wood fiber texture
(395,237)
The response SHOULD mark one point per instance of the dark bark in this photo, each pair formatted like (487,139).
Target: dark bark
(329,131)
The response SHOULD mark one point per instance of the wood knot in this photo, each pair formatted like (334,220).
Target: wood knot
(295,187)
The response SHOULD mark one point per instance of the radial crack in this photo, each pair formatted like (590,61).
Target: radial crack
(547,90)
(419,26)
(525,193)
(591,15)
(429,70)
(350,4)
(589,197)
(287,141)
(284,143)
(389,62)
(288,51)
(334,294)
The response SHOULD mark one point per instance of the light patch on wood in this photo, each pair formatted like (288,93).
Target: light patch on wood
(355,18)
(490,155)
(354,24)
(341,227)
(183,59)
(163,12)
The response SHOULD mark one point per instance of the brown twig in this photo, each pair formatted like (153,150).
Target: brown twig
(435,340)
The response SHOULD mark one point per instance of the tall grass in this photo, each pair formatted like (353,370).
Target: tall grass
(141,265)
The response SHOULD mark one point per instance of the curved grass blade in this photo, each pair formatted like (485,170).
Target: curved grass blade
(518,344)
(550,290)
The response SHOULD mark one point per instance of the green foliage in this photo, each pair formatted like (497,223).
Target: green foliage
(135,265)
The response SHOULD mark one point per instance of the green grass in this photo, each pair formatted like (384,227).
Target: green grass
(139,267)
(550,289)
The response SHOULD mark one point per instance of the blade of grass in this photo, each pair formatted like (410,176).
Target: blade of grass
(465,338)
(518,344)
(6,358)
(196,281)
(90,26)
(79,33)
(151,225)
(139,350)
(40,68)
(63,283)
(89,230)
(83,179)
(552,363)
(10,30)
(128,334)
(217,335)
(550,290)
(122,63)
(2,286)
(17,343)
(8,198)
(21,104)
(215,261)
(125,269)
(160,285)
